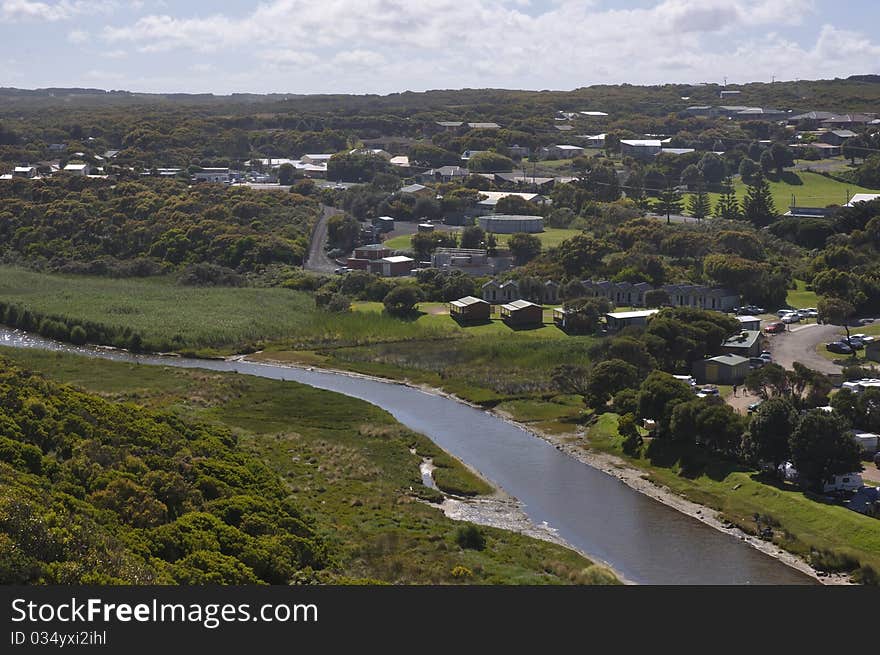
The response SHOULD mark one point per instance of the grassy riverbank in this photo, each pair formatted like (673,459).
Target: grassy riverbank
(346,463)
(828,536)
(166,316)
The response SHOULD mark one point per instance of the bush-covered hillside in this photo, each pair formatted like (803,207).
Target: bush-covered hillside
(94,492)
(92,226)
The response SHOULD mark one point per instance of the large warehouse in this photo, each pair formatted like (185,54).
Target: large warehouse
(508,224)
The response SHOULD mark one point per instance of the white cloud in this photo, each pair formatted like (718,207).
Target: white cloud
(33,10)
(389,45)
(78,36)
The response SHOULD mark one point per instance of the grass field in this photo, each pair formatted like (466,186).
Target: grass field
(801,525)
(550,238)
(204,320)
(435,316)
(347,464)
(809,190)
(800,297)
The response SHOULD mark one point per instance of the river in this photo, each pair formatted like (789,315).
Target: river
(641,538)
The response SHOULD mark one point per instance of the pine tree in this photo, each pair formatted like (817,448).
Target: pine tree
(669,202)
(698,203)
(728,206)
(491,245)
(758,206)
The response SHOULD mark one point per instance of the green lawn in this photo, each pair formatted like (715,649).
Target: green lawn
(800,297)
(801,524)
(809,190)
(436,316)
(550,238)
(347,464)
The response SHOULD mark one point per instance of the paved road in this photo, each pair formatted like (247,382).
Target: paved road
(798,344)
(318,260)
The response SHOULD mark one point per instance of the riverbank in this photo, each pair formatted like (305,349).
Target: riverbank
(635,478)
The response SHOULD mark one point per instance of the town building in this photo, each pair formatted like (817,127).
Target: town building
(509,224)
(561,152)
(28,172)
(746,343)
(618,320)
(723,369)
(217,175)
(78,168)
(393,266)
(749,322)
(417,190)
(644,149)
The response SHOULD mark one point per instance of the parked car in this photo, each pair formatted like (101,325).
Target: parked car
(754,406)
(855,343)
(341,270)
(838,347)
(866,321)
(776,327)
(783,312)
(767,357)
(756,362)
(864,338)
(791,318)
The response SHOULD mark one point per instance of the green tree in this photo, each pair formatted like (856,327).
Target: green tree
(698,203)
(286,174)
(523,247)
(402,300)
(836,311)
(472,237)
(748,169)
(658,396)
(571,379)
(606,379)
(670,202)
(727,206)
(758,204)
(770,431)
(491,245)
(782,157)
(821,447)
(490,162)
(629,430)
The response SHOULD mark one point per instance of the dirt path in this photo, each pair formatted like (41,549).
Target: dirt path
(318,260)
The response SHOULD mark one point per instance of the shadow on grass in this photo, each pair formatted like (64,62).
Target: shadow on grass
(525,328)
(787,177)
(693,461)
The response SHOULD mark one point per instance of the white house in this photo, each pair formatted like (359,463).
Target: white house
(78,168)
(640,148)
(562,152)
(316,158)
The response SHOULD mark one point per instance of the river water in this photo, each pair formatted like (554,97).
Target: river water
(644,540)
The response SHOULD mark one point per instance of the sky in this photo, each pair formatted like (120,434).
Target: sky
(388,46)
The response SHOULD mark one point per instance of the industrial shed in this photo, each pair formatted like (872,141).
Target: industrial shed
(510,224)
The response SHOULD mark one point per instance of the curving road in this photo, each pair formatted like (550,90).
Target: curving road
(799,344)
(317,259)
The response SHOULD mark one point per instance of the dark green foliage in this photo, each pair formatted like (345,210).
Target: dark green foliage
(149,223)
(822,446)
(523,247)
(758,204)
(402,300)
(97,492)
(770,431)
(470,537)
